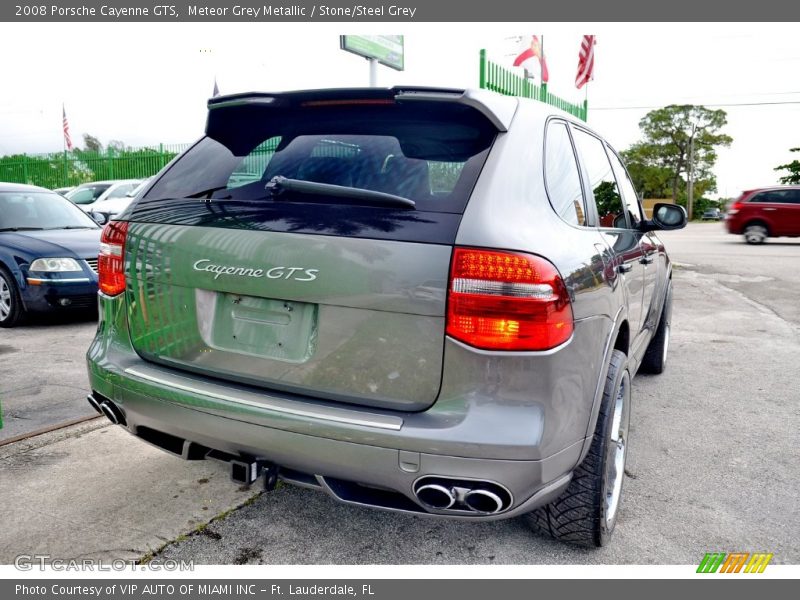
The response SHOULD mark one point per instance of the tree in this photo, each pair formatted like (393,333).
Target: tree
(607,198)
(794,170)
(650,181)
(661,159)
(92,143)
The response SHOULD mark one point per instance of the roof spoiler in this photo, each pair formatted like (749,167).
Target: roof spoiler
(498,109)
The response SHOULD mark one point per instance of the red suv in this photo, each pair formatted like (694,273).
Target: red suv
(766,212)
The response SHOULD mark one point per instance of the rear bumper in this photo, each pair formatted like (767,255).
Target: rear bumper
(337,448)
(733,224)
(344,469)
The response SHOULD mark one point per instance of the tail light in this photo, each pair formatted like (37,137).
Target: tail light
(507,301)
(110,263)
(734,208)
(737,204)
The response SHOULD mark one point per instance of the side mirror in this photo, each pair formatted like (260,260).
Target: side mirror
(99,218)
(666,217)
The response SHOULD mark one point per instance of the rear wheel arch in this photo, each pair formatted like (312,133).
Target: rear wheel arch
(623,339)
(618,339)
(586,512)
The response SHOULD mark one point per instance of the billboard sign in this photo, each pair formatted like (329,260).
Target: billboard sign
(386,49)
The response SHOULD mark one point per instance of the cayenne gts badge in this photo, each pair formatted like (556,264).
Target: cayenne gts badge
(295,273)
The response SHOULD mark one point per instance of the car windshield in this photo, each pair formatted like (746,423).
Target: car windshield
(21,211)
(88,193)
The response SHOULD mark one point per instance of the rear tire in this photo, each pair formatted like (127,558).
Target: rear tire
(755,234)
(11,310)
(655,359)
(586,513)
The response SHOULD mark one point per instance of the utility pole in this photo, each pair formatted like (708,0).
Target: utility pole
(690,174)
(373,72)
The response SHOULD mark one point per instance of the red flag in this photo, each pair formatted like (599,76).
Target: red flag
(585,62)
(534,51)
(65,125)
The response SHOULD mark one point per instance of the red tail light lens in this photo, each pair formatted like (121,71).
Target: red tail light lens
(507,301)
(110,263)
(735,208)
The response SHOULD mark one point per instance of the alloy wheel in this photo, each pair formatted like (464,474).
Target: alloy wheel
(616,451)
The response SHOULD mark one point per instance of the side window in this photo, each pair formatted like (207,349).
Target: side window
(780,196)
(121,191)
(629,196)
(761,197)
(562,175)
(602,182)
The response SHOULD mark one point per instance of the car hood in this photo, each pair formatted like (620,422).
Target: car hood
(72,243)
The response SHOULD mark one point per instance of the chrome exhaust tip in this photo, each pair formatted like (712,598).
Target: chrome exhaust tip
(436,496)
(483,501)
(112,412)
(109,413)
(94,404)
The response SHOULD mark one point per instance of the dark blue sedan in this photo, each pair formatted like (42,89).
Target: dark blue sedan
(48,253)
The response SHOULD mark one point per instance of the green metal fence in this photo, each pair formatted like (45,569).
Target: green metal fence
(61,169)
(499,79)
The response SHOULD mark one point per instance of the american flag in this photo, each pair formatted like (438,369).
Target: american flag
(67,139)
(585,62)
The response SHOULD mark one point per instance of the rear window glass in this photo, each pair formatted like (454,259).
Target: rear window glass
(431,154)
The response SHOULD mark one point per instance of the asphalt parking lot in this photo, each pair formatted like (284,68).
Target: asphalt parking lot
(712,464)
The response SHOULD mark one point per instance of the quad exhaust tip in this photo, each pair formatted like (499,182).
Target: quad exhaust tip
(449,494)
(436,496)
(106,407)
(94,404)
(483,501)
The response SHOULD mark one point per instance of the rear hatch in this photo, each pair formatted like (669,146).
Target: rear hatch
(304,244)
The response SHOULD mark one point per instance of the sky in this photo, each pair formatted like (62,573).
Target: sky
(145,84)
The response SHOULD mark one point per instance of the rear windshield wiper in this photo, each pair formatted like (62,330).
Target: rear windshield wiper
(278,185)
(21,228)
(70,227)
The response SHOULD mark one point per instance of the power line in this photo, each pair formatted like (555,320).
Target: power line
(701,104)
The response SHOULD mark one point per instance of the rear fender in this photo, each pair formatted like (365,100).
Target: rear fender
(619,319)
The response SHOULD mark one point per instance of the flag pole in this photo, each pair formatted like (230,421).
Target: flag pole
(586,103)
(64,143)
(541,68)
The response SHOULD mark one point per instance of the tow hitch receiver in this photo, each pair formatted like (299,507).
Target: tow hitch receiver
(247,471)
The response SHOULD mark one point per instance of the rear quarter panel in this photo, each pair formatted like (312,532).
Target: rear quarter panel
(509,209)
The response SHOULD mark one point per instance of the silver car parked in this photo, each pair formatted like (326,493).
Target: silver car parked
(414,299)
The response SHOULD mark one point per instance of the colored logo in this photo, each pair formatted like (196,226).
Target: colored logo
(735,562)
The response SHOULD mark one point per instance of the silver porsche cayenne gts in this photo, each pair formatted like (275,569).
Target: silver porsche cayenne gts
(414,299)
